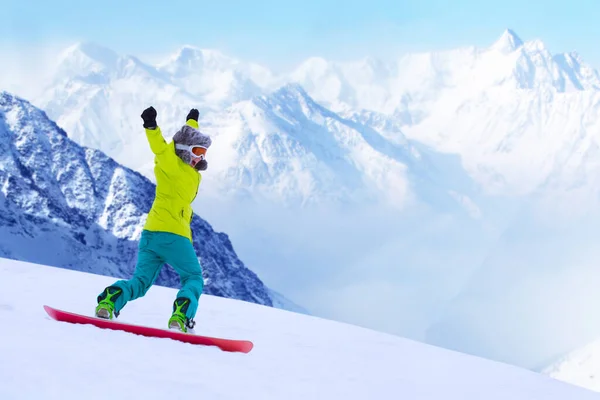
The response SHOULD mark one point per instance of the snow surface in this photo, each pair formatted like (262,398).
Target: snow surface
(579,367)
(295,356)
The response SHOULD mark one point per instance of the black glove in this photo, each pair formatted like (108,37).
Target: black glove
(202,165)
(149,117)
(193,114)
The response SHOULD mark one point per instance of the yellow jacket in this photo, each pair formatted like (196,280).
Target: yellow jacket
(176,187)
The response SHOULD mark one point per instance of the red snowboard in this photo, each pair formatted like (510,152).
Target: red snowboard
(243,346)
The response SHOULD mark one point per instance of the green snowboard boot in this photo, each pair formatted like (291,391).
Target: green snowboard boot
(179,320)
(106,302)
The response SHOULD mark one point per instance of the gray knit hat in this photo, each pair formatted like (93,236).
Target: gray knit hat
(190,136)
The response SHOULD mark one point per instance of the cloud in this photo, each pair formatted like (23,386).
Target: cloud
(372,267)
(534,297)
(25,68)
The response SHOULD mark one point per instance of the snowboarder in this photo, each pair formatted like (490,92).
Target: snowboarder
(167,236)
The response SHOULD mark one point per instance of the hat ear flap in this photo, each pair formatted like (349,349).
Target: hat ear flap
(201,165)
(184,155)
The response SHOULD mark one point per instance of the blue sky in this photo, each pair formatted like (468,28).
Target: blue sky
(280,34)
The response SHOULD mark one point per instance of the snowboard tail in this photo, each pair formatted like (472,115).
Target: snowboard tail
(229,345)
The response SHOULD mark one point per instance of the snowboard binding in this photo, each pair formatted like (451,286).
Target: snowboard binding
(106,303)
(179,320)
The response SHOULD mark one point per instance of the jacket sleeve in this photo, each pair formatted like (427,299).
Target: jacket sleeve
(156,140)
(192,123)
(165,152)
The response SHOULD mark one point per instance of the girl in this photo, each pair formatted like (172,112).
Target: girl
(167,237)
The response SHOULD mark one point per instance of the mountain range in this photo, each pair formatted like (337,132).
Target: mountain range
(279,145)
(361,117)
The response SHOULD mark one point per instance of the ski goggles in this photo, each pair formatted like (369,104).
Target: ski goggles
(196,151)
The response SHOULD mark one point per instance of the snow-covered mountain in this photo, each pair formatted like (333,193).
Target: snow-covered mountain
(417,85)
(285,147)
(214,77)
(524,122)
(277,144)
(97,95)
(74,207)
(103,93)
(517,114)
(514,112)
(294,356)
(579,367)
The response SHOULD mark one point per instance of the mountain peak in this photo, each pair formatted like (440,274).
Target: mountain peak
(314,65)
(509,41)
(294,88)
(192,58)
(92,51)
(87,60)
(289,94)
(24,112)
(187,51)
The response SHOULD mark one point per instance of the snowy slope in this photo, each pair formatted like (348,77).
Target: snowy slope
(579,367)
(81,210)
(295,356)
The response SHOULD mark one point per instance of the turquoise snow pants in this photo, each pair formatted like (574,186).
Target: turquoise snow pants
(154,250)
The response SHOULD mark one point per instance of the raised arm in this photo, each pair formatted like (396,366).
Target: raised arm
(155,138)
